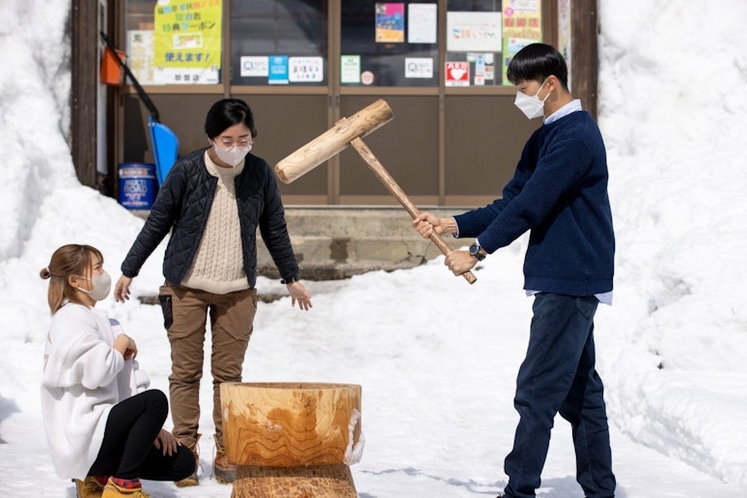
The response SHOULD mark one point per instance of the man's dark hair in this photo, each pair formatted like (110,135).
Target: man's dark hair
(536,62)
(226,113)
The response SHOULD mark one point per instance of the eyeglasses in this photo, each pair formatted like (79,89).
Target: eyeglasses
(227,144)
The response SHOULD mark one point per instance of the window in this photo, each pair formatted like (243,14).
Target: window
(283,43)
(483,35)
(381,44)
(389,44)
(176,42)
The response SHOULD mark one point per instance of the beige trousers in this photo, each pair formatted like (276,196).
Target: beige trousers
(185,313)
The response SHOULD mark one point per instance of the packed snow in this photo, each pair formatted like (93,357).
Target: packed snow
(436,357)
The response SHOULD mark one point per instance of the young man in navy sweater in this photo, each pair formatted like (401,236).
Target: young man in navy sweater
(558,193)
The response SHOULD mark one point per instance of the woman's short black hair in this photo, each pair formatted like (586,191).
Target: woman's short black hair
(536,62)
(226,113)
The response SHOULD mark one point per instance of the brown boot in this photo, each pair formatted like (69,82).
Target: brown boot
(89,488)
(223,469)
(192,480)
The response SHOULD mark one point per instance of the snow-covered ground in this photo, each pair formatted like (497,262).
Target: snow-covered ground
(437,358)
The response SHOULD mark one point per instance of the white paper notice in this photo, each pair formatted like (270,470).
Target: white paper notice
(305,69)
(140,55)
(525,5)
(350,69)
(254,66)
(473,32)
(421,23)
(418,67)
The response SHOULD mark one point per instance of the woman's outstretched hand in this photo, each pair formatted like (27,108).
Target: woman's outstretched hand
(299,295)
(122,289)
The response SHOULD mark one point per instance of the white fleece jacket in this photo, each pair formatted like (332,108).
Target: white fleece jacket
(84,376)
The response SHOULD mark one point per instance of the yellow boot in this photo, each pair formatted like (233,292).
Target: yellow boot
(111,490)
(89,488)
(192,480)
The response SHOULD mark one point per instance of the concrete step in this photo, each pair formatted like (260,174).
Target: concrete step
(339,242)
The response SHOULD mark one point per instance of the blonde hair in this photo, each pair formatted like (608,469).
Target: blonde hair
(70,259)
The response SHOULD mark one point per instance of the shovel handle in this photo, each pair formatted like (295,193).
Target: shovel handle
(140,91)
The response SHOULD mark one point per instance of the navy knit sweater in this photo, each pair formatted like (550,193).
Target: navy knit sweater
(559,192)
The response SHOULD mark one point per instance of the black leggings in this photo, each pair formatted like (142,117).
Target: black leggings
(128,450)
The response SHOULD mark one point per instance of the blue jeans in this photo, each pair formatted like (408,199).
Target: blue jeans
(558,376)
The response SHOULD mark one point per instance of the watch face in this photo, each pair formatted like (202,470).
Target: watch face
(474,250)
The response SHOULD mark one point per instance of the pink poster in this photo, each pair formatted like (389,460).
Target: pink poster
(390,22)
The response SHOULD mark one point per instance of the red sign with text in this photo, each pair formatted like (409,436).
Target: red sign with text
(457,74)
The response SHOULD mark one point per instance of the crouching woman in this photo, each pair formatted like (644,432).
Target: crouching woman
(104,429)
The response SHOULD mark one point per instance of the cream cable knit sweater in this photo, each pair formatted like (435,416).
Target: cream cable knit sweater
(218,266)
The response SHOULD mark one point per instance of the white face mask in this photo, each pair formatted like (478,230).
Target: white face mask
(232,155)
(102,284)
(531,105)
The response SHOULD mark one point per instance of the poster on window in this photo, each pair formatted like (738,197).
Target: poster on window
(522,25)
(278,70)
(187,41)
(140,55)
(522,19)
(473,31)
(419,67)
(254,66)
(457,73)
(305,69)
(350,69)
(390,22)
(422,23)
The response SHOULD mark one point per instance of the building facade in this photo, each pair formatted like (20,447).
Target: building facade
(302,65)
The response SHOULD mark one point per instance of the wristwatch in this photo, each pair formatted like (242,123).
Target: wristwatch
(474,250)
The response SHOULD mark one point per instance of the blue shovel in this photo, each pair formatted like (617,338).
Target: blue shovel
(163,140)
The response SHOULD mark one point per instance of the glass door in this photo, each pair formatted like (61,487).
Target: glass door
(279,61)
(390,51)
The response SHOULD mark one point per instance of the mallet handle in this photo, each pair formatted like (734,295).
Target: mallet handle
(383,175)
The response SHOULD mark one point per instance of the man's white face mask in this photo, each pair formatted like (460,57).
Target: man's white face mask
(531,105)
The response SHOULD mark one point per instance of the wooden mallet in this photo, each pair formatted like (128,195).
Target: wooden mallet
(350,131)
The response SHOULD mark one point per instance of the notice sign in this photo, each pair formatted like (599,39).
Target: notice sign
(187,41)
(305,69)
(522,25)
(422,23)
(418,67)
(140,55)
(254,66)
(457,73)
(350,69)
(278,70)
(473,31)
